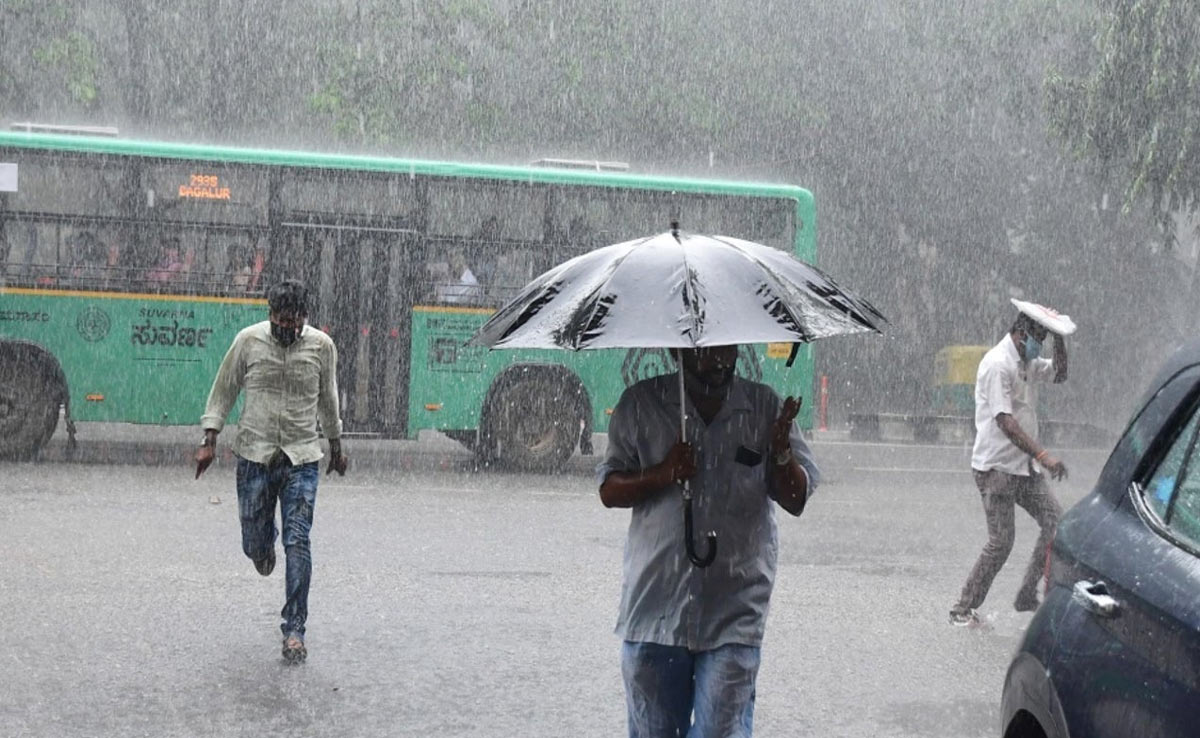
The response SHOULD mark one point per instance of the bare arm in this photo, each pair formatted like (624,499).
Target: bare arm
(789,481)
(1060,359)
(1011,428)
(789,485)
(207,452)
(631,488)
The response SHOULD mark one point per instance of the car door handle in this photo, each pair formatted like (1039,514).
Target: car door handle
(1094,596)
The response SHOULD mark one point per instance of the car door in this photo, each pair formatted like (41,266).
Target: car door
(1139,595)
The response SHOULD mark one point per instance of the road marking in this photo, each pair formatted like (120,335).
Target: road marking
(901,469)
(827,499)
(452,490)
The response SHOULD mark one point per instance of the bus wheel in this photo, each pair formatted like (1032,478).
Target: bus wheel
(532,420)
(29,402)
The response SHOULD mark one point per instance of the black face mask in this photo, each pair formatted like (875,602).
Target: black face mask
(285,336)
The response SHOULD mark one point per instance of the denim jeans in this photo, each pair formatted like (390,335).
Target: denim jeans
(295,487)
(666,687)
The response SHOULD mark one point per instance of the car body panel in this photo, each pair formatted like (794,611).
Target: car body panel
(1082,671)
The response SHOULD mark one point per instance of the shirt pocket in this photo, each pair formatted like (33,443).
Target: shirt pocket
(303,375)
(261,373)
(746,485)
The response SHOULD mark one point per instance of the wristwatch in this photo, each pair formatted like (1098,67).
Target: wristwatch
(204,442)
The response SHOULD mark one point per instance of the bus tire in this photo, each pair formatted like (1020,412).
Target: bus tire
(532,418)
(32,389)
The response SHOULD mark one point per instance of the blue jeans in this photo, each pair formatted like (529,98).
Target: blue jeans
(295,487)
(666,686)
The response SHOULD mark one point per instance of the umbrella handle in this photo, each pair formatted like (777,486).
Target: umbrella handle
(696,559)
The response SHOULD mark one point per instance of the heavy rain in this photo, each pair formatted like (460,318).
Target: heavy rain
(264,272)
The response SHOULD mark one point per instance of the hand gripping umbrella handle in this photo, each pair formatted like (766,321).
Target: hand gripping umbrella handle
(711,554)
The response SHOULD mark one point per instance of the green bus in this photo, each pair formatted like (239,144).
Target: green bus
(126,268)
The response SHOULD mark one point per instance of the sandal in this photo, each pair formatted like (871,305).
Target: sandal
(293,649)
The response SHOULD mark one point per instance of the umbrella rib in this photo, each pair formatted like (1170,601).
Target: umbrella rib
(854,311)
(690,286)
(796,320)
(600,287)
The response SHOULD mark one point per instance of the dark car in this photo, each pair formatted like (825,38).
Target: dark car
(1114,649)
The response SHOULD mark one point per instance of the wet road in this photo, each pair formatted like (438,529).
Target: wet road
(449,604)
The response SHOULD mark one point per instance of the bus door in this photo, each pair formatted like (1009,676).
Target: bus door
(360,299)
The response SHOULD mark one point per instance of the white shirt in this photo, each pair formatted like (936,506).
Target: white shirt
(1005,384)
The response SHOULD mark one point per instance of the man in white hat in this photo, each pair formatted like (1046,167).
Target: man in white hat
(1008,460)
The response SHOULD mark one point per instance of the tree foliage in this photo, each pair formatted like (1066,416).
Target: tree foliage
(57,65)
(920,125)
(1136,111)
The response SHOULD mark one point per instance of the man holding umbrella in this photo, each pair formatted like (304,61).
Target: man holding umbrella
(693,633)
(701,442)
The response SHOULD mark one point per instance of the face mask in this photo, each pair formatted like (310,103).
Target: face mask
(285,336)
(1033,348)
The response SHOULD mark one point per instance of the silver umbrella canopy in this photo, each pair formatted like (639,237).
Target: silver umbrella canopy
(678,290)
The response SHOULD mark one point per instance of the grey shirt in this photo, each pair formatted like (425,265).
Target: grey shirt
(664,598)
(286,390)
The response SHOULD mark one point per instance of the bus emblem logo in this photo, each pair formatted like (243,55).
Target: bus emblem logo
(93,324)
(643,363)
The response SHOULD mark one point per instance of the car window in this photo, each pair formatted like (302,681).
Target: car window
(1146,426)
(1143,429)
(1184,515)
(1177,470)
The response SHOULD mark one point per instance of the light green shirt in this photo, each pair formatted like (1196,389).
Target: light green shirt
(287,389)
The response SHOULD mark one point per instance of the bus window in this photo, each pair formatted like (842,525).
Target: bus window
(246,260)
(462,270)
(769,221)
(459,283)
(169,267)
(375,197)
(88,260)
(70,255)
(5,249)
(480,211)
(593,217)
(514,268)
(68,185)
(33,249)
(196,261)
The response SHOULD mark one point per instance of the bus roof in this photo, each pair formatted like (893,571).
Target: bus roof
(167,150)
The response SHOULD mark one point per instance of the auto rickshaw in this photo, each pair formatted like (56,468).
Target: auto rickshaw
(954,369)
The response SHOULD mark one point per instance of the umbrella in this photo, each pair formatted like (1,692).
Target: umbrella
(705,290)
(678,290)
